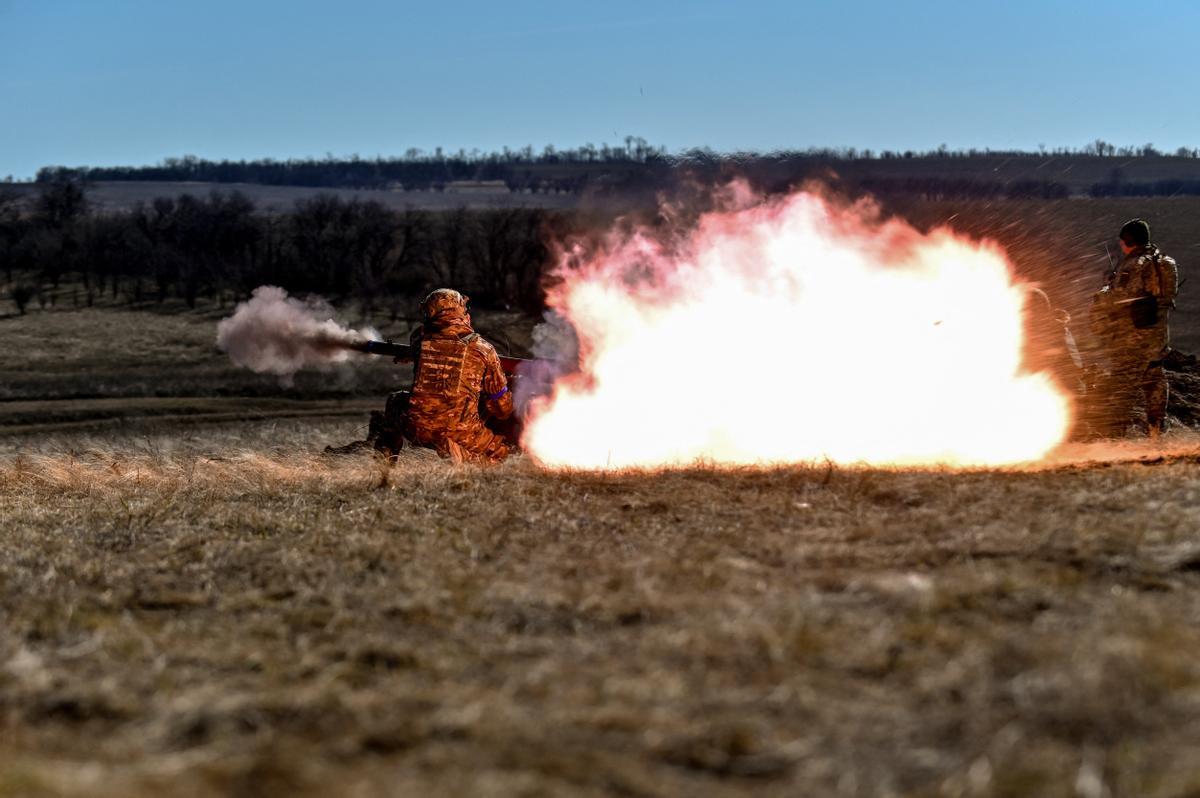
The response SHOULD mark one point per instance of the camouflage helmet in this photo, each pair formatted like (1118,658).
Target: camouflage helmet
(1135,233)
(443,302)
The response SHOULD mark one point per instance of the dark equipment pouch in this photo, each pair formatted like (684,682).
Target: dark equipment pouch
(1143,311)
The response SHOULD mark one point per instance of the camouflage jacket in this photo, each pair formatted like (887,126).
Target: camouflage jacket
(1134,306)
(454,366)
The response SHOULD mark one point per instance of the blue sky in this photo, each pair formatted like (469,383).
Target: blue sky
(134,81)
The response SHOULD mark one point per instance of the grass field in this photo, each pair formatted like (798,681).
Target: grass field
(194,605)
(194,601)
(111,351)
(221,611)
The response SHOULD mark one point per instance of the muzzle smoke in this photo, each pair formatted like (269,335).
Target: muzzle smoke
(273,333)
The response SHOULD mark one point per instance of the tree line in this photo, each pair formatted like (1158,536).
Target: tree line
(632,165)
(415,170)
(220,247)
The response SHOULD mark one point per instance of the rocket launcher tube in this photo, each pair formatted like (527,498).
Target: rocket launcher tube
(404,352)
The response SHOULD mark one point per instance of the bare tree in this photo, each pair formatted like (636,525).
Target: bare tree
(450,247)
(12,229)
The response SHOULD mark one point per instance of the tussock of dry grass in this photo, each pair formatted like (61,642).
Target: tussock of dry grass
(228,613)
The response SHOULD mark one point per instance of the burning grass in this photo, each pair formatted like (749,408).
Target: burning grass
(227,613)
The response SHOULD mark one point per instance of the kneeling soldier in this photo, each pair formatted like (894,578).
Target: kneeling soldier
(454,369)
(455,373)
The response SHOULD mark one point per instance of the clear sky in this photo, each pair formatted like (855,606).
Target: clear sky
(104,82)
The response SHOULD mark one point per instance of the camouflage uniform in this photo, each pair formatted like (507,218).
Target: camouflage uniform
(454,369)
(1129,320)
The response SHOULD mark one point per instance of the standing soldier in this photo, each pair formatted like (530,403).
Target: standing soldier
(1129,318)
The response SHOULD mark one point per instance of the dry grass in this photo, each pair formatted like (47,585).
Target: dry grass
(210,608)
(225,613)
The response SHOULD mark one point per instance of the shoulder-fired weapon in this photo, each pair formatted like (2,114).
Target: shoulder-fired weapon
(405,353)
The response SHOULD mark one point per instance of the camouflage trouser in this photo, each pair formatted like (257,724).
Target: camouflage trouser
(1134,383)
(459,440)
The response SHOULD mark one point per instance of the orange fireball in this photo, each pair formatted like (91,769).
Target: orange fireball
(792,331)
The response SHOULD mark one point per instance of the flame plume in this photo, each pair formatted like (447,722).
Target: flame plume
(789,331)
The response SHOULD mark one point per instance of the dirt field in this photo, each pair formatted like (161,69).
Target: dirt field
(194,602)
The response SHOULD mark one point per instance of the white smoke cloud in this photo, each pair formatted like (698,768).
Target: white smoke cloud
(555,351)
(273,333)
(555,339)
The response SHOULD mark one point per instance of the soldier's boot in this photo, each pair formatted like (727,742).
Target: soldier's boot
(1157,394)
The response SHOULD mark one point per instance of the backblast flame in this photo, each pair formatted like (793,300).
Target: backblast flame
(793,331)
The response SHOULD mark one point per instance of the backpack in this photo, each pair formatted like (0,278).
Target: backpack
(1144,311)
